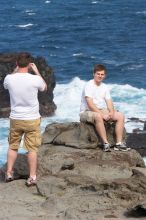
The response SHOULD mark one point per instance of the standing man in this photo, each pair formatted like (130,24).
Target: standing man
(24,116)
(97,107)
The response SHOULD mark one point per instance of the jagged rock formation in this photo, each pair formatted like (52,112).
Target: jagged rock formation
(76,182)
(137,139)
(7,65)
(77,135)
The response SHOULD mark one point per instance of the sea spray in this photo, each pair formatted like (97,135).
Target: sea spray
(67,97)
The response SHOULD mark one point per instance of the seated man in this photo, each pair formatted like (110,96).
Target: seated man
(97,107)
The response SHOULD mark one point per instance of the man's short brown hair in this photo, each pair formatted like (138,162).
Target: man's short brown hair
(23,59)
(99,67)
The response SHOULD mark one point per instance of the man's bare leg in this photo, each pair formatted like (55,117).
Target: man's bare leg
(32,162)
(119,129)
(11,158)
(100,128)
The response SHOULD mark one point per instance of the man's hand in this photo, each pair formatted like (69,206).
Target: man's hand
(111,114)
(34,68)
(106,117)
(110,108)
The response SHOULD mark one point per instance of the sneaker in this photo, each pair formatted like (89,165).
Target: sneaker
(30,182)
(9,177)
(122,147)
(106,147)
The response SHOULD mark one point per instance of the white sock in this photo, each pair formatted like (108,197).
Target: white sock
(118,143)
(33,177)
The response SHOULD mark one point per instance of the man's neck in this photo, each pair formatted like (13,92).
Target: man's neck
(23,70)
(97,83)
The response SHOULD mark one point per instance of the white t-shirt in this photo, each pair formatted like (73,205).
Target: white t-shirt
(98,94)
(23,89)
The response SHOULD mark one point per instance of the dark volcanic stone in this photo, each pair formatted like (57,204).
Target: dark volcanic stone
(144,127)
(137,211)
(137,141)
(77,135)
(21,170)
(7,65)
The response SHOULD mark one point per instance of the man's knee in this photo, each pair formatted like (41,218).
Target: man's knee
(120,116)
(98,117)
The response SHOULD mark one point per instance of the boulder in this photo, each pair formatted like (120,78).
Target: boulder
(138,211)
(144,127)
(21,170)
(76,181)
(78,135)
(7,65)
(93,186)
(137,141)
(53,159)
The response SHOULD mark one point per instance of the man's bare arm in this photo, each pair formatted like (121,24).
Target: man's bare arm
(35,70)
(110,107)
(91,105)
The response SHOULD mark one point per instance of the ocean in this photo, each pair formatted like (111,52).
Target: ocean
(73,36)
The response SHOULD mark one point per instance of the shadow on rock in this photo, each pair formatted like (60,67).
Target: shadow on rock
(138,211)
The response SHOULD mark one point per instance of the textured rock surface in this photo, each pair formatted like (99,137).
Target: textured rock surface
(138,211)
(137,140)
(76,183)
(75,134)
(7,65)
(21,170)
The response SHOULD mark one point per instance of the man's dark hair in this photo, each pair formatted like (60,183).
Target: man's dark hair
(23,59)
(99,67)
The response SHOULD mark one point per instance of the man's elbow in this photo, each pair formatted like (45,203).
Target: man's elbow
(45,88)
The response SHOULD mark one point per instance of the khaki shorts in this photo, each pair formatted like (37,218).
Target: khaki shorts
(89,116)
(29,130)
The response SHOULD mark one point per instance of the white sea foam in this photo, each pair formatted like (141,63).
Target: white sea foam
(47,2)
(141,12)
(52,55)
(24,25)
(67,97)
(30,12)
(77,54)
(135,67)
(127,99)
(96,2)
(57,47)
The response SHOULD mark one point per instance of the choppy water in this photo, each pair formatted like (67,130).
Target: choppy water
(73,36)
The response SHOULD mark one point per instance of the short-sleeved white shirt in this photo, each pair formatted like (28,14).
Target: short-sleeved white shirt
(99,95)
(23,89)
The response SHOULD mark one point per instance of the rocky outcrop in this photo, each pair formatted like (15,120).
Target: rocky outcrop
(138,211)
(21,170)
(137,139)
(76,182)
(7,65)
(77,135)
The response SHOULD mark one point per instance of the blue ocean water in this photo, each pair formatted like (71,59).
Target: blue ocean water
(73,36)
